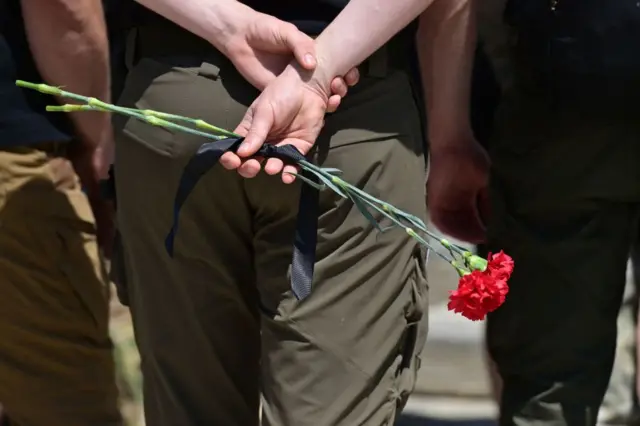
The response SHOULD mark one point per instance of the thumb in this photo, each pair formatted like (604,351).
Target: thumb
(301,45)
(256,126)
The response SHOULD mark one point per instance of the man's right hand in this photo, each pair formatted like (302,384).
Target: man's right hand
(262,47)
(457,189)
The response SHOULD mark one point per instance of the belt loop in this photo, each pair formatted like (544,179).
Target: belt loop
(130,48)
(379,63)
(209,70)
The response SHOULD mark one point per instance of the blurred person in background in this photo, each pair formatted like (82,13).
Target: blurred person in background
(620,399)
(565,191)
(57,365)
(619,406)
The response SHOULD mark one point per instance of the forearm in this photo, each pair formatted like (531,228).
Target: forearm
(69,44)
(211,20)
(446,44)
(358,31)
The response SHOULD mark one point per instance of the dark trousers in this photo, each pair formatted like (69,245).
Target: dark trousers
(566,203)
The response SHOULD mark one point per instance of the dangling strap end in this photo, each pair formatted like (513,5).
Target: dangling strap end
(169,242)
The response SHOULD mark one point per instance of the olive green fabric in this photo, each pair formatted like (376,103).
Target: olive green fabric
(217,323)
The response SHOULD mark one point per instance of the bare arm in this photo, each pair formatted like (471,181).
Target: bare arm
(215,21)
(259,45)
(457,186)
(358,31)
(68,41)
(446,44)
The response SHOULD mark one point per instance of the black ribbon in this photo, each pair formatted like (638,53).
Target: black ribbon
(304,246)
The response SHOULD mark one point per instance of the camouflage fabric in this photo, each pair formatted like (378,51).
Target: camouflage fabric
(127,364)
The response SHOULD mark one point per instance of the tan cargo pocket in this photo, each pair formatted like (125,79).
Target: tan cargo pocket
(81,265)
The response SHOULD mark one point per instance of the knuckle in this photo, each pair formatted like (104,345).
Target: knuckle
(289,29)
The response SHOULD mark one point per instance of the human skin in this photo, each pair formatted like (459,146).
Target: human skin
(68,42)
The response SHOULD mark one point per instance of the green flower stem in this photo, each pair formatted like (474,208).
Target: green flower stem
(72,108)
(399,218)
(51,90)
(424,242)
(385,209)
(199,123)
(150,119)
(99,105)
(445,243)
(393,213)
(462,271)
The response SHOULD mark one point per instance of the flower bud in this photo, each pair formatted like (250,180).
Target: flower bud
(475,263)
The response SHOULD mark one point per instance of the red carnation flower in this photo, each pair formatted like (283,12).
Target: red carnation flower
(500,265)
(481,292)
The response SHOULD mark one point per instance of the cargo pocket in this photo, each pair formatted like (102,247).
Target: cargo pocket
(416,329)
(80,264)
(141,91)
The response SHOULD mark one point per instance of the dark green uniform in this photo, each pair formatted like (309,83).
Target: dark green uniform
(217,324)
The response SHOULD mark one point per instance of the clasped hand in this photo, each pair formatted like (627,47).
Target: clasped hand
(280,60)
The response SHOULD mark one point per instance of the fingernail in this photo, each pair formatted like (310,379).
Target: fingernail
(242,149)
(309,59)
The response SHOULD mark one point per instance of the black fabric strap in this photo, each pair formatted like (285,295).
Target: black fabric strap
(304,251)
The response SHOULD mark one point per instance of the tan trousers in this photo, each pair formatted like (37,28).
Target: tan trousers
(56,366)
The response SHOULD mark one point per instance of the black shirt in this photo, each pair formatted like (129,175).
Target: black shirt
(311,16)
(23,119)
(296,10)
(286,10)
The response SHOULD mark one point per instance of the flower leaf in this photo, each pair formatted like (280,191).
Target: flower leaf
(327,181)
(364,210)
(308,181)
(414,220)
(332,171)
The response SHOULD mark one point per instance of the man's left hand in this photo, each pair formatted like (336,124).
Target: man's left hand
(290,110)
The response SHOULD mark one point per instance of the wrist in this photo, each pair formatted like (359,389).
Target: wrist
(226,24)
(315,80)
(450,138)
